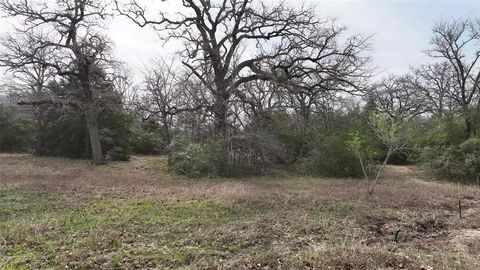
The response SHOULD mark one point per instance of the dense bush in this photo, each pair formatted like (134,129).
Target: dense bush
(289,133)
(60,132)
(461,160)
(196,159)
(446,148)
(316,145)
(442,131)
(63,134)
(147,138)
(116,135)
(330,157)
(253,153)
(242,155)
(17,130)
(470,154)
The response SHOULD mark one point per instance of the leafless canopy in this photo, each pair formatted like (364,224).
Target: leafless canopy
(457,44)
(397,97)
(232,42)
(437,87)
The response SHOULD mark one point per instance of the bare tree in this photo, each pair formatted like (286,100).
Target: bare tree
(457,43)
(167,93)
(67,33)
(397,97)
(124,84)
(259,99)
(277,40)
(437,87)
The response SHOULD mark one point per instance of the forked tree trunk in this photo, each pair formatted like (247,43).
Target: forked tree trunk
(93,133)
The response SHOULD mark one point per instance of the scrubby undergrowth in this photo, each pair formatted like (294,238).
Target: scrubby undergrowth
(59,213)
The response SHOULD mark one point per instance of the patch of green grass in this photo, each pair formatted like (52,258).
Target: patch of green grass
(44,229)
(47,230)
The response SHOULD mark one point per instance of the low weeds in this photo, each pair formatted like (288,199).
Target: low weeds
(58,213)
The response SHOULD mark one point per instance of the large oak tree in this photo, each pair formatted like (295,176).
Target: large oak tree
(230,43)
(65,36)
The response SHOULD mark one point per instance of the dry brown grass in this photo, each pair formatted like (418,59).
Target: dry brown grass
(294,222)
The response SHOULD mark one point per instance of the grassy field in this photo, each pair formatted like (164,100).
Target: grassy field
(66,214)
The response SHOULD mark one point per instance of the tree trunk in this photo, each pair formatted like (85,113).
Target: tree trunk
(93,133)
(40,133)
(220,111)
(469,124)
(91,114)
(377,176)
(166,128)
(362,165)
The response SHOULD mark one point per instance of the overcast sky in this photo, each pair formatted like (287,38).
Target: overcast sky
(401,29)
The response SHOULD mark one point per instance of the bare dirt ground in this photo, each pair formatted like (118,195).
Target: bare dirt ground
(61,213)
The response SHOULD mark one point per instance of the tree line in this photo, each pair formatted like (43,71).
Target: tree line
(256,86)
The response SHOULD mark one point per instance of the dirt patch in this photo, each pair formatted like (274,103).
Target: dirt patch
(398,172)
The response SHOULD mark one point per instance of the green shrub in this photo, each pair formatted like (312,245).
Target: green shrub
(445,148)
(441,158)
(116,135)
(331,158)
(196,159)
(461,160)
(65,134)
(442,132)
(253,153)
(470,151)
(288,134)
(16,130)
(147,139)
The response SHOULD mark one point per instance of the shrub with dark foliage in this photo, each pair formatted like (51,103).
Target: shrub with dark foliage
(16,129)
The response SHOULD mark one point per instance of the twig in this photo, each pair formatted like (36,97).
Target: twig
(397,233)
(460,208)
